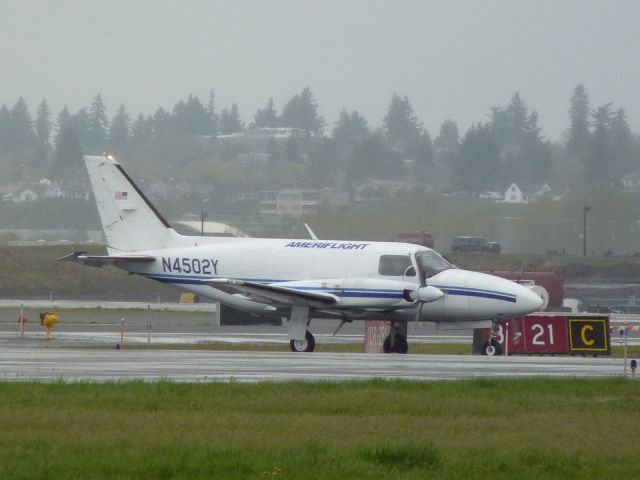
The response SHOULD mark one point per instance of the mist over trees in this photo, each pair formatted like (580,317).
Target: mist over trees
(216,152)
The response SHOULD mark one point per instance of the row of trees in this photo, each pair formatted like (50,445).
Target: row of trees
(599,146)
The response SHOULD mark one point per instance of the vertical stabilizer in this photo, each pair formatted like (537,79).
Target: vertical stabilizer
(129,221)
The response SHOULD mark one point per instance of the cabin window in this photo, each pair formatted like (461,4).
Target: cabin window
(394,265)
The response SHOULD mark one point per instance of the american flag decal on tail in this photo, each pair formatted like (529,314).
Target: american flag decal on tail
(120,195)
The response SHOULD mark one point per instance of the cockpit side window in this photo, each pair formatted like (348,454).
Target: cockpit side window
(431,263)
(394,265)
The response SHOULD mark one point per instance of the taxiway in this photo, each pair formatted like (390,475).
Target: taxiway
(53,364)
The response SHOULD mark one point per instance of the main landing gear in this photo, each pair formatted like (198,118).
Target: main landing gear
(300,339)
(395,342)
(308,344)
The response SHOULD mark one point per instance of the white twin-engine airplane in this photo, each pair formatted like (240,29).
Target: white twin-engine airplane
(296,279)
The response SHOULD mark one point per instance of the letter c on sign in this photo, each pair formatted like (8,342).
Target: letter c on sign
(584,336)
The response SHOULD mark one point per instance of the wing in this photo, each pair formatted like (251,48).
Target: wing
(268,293)
(101,260)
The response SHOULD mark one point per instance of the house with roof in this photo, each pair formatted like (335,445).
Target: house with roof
(631,181)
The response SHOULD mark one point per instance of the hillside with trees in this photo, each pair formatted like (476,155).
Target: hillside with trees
(198,151)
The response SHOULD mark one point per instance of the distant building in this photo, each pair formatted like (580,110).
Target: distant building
(368,190)
(296,202)
(513,194)
(631,181)
(532,193)
(212,229)
(289,202)
(26,195)
(266,133)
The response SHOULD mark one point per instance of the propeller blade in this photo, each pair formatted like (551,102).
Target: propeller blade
(416,320)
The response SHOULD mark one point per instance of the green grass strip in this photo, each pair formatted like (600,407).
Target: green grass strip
(532,428)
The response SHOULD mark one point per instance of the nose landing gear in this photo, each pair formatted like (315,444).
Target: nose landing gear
(493,347)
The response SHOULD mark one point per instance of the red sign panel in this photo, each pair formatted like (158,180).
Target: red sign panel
(545,334)
(532,334)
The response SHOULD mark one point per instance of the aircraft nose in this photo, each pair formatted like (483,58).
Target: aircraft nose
(529,300)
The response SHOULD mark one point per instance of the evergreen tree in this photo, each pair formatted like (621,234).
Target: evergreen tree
(374,158)
(230,121)
(273,151)
(302,112)
(5,119)
(211,113)
(191,117)
(142,129)
(20,132)
(43,127)
(477,167)
(62,120)
(525,155)
(579,136)
(119,130)
(97,126)
(598,164)
(405,133)
(621,145)
(67,157)
(81,124)
(400,124)
(447,144)
(350,126)
(420,148)
(43,123)
(161,122)
(267,117)
(292,152)
(448,140)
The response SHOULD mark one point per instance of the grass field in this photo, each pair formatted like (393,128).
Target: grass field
(524,429)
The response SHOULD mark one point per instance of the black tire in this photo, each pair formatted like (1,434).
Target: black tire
(306,345)
(400,344)
(492,349)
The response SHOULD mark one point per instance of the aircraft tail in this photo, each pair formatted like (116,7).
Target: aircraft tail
(129,221)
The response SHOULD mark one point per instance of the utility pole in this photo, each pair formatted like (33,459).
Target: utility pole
(584,229)
(203,215)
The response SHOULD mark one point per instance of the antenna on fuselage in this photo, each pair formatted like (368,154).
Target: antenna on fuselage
(311,234)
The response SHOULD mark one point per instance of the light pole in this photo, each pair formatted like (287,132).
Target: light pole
(203,215)
(585,209)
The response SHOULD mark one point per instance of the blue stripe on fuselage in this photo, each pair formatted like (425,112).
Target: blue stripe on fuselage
(351,292)
(477,292)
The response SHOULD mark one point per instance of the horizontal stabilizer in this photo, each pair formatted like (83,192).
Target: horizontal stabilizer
(261,292)
(101,260)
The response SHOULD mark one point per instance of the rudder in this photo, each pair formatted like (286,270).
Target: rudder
(129,221)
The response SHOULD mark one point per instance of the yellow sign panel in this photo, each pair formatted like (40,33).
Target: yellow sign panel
(588,334)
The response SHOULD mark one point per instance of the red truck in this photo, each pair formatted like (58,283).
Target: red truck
(419,237)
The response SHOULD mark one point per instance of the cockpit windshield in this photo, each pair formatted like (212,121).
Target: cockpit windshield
(431,263)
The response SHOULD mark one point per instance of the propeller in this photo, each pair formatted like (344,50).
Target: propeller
(424,294)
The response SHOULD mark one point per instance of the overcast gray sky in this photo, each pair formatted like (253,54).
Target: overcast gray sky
(452,58)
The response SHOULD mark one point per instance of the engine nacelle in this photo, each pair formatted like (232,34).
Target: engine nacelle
(424,294)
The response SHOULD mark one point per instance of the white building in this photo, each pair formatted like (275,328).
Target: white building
(513,194)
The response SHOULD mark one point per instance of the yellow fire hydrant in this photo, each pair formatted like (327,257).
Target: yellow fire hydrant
(48,321)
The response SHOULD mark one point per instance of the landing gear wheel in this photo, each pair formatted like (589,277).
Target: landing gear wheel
(491,348)
(306,345)
(395,343)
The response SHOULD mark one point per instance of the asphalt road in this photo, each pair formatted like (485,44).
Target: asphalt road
(70,356)
(53,364)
